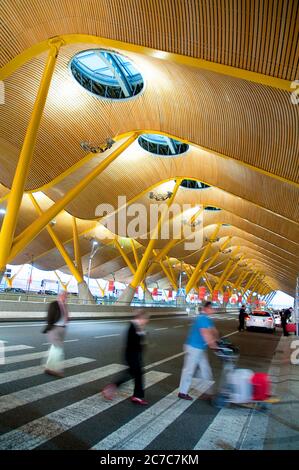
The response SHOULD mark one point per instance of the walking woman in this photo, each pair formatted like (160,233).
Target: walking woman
(57,320)
(134,359)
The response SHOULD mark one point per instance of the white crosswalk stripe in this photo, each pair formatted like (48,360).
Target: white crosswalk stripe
(18,347)
(25,357)
(41,430)
(142,430)
(232,420)
(29,395)
(27,372)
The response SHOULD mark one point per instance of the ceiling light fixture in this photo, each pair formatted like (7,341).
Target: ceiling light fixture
(92,148)
(160,196)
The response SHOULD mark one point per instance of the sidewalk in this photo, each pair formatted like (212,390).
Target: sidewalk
(283,418)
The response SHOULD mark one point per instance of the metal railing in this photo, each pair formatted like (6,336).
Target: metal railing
(112,301)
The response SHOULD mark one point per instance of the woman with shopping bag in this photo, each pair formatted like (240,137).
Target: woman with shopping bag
(57,320)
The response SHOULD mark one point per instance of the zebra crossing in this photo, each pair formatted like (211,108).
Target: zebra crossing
(142,427)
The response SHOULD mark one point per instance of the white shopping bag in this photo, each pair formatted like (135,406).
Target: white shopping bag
(55,358)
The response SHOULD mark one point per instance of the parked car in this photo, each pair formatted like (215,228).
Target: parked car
(14,290)
(260,320)
(277,319)
(47,292)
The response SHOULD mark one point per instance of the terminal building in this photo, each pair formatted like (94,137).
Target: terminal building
(149,158)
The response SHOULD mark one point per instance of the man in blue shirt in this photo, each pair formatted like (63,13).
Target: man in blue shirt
(202,335)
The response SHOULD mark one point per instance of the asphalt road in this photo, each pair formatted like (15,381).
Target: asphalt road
(40,412)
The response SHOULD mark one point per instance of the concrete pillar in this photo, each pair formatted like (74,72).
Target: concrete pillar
(84,292)
(148,296)
(1,275)
(126,296)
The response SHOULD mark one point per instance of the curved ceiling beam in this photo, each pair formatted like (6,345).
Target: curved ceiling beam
(235,72)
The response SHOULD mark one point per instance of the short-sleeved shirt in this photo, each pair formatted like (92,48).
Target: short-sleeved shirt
(195,339)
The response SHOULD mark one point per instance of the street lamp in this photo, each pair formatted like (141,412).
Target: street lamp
(30,276)
(94,249)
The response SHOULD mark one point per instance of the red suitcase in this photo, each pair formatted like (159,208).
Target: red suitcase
(261,386)
(291,327)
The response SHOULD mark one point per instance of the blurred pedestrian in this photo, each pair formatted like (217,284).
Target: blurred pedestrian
(57,320)
(286,316)
(242,315)
(202,335)
(133,356)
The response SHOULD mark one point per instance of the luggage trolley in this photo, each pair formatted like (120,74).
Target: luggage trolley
(229,355)
(228,391)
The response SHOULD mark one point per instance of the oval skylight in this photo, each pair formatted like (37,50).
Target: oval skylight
(193,184)
(158,144)
(106,74)
(212,208)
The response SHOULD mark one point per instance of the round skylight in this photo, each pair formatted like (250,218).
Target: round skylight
(158,144)
(106,74)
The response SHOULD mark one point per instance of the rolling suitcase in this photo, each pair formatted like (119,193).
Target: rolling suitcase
(261,386)
(241,386)
(291,327)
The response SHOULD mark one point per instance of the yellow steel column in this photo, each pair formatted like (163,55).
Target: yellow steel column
(100,287)
(64,286)
(257,283)
(250,282)
(59,245)
(231,272)
(241,279)
(25,158)
(167,274)
(36,227)
(134,252)
(77,251)
(124,256)
(171,244)
(213,259)
(226,270)
(192,281)
(127,260)
(174,277)
(10,280)
(208,284)
(146,256)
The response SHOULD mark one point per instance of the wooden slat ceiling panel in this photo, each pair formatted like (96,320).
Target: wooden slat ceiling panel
(260,125)
(257,35)
(124,177)
(249,123)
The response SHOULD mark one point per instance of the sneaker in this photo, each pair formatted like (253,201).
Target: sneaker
(139,401)
(185,396)
(109,392)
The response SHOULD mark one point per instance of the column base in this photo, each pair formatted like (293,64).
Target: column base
(84,293)
(127,296)
(148,296)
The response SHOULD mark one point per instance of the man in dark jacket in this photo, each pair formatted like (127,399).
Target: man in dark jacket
(133,357)
(286,315)
(242,315)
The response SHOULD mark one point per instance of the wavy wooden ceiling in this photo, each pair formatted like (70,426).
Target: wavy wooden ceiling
(236,126)
(260,36)
(259,129)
